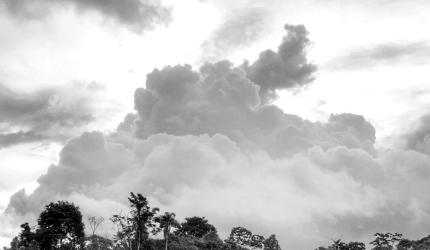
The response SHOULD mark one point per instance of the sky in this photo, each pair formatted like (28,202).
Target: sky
(307,119)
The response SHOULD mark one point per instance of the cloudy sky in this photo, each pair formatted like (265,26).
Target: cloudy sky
(309,119)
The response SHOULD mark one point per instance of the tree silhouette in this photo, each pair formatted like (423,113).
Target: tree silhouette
(240,236)
(94,223)
(256,241)
(142,216)
(125,231)
(60,221)
(26,237)
(271,243)
(167,221)
(385,241)
(196,227)
(212,240)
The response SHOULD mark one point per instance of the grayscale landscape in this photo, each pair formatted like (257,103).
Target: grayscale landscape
(214,124)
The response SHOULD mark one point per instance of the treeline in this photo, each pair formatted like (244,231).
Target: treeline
(382,241)
(60,226)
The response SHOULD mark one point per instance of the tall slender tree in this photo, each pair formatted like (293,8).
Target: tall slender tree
(142,216)
(167,221)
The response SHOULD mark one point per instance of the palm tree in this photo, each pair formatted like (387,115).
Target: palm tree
(167,221)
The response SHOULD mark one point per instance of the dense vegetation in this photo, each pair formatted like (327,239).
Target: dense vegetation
(383,241)
(60,226)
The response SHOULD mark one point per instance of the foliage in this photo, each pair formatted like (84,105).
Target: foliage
(240,236)
(142,216)
(166,222)
(340,245)
(195,227)
(271,243)
(212,240)
(96,242)
(422,244)
(60,227)
(26,237)
(124,236)
(60,224)
(385,241)
(133,229)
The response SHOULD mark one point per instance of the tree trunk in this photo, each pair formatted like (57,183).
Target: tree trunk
(138,241)
(139,228)
(167,240)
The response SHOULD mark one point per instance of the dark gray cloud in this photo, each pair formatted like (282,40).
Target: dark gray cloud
(383,54)
(288,67)
(137,14)
(242,28)
(11,139)
(52,113)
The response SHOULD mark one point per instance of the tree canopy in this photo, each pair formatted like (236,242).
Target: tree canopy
(60,226)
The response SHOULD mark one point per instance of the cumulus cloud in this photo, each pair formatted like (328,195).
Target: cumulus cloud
(419,138)
(319,191)
(55,113)
(242,28)
(383,54)
(220,98)
(204,142)
(288,67)
(137,14)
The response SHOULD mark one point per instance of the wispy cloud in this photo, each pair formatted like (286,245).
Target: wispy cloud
(136,14)
(382,55)
(51,113)
(242,28)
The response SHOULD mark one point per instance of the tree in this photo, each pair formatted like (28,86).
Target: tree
(167,221)
(60,222)
(385,241)
(26,236)
(196,227)
(94,223)
(14,244)
(240,236)
(125,231)
(256,241)
(271,243)
(212,240)
(142,216)
(132,229)
(356,246)
(422,244)
(97,242)
(340,245)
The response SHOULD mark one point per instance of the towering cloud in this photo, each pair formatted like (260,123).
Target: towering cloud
(136,14)
(286,68)
(205,142)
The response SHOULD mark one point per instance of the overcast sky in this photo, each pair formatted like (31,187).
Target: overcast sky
(308,119)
